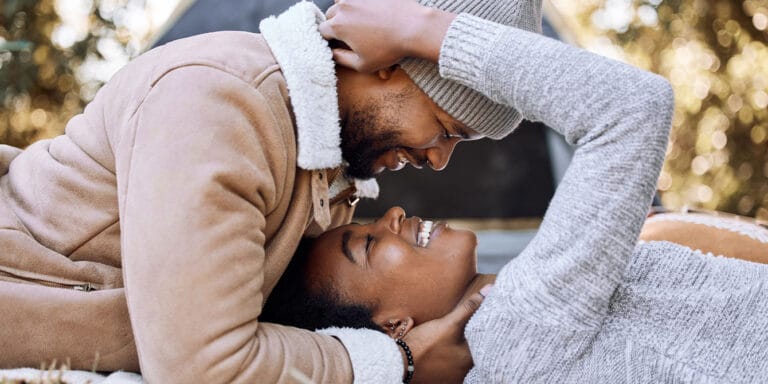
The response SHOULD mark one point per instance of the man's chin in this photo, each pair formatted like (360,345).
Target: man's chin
(365,171)
(364,164)
(361,175)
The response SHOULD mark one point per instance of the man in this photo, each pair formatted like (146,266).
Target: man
(152,232)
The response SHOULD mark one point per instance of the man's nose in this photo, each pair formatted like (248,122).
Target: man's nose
(439,155)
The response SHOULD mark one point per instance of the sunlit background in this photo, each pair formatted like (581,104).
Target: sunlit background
(55,54)
(714,54)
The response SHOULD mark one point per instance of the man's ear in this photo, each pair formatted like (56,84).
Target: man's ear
(387,73)
(398,328)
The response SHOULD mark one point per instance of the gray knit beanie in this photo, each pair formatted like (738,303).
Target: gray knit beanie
(462,103)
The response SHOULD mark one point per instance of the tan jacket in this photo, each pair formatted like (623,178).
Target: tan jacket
(175,198)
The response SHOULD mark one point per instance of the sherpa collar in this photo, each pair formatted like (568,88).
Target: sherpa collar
(307,64)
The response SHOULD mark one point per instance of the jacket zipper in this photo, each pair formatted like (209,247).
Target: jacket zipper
(83,287)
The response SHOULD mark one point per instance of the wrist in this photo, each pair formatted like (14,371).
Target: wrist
(428,33)
(408,361)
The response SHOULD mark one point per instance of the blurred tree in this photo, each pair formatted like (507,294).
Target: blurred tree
(39,86)
(715,55)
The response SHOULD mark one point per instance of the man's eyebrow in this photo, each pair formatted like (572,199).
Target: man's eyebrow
(345,245)
(461,129)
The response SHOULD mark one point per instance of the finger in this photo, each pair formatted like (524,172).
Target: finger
(326,30)
(331,12)
(347,58)
(486,290)
(465,309)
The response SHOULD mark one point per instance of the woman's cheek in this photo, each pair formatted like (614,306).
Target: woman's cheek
(391,256)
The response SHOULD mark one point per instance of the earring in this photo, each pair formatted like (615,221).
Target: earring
(402,331)
(391,326)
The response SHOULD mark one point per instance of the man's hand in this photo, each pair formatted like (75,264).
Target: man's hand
(380,33)
(440,352)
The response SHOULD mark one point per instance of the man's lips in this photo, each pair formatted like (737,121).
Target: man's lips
(400,162)
(397,159)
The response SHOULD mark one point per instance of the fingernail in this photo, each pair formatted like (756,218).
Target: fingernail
(485,291)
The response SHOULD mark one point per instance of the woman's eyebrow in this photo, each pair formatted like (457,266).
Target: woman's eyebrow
(345,246)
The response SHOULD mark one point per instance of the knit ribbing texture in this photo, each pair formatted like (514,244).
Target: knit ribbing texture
(584,303)
(470,107)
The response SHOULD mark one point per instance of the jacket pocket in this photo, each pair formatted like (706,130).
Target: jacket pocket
(10,275)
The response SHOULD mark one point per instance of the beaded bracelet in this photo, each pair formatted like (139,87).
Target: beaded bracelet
(409,356)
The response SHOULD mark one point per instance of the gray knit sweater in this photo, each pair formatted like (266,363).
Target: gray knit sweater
(583,303)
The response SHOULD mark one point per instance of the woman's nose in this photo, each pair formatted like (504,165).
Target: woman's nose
(393,219)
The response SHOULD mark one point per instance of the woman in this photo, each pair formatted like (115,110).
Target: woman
(388,276)
(584,302)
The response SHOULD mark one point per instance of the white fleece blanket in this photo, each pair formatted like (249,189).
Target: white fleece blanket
(31,375)
(37,376)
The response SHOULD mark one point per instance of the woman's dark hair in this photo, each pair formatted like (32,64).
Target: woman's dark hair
(291,302)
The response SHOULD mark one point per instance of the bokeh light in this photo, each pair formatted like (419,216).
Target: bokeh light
(715,55)
(55,55)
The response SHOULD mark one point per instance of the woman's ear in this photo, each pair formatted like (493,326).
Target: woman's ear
(398,328)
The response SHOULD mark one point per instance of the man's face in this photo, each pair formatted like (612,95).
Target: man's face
(389,122)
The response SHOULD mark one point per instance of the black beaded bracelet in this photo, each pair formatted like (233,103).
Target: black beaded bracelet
(409,356)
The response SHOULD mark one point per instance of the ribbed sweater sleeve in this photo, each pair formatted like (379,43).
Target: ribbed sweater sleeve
(549,303)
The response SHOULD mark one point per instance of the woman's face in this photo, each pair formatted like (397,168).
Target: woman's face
(381,264)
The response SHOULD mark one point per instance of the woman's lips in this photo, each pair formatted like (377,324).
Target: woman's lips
(435,228)
(414,228)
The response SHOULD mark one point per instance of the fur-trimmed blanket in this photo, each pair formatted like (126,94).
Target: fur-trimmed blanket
(37,376)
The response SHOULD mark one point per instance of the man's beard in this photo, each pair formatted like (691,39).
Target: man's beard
(365,136)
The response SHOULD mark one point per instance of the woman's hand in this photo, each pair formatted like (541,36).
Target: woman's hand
(440,351)
(378,34)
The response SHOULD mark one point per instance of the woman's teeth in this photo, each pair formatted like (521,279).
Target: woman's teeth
(425,229)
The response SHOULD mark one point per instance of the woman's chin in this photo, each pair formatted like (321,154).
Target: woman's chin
(468,255)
